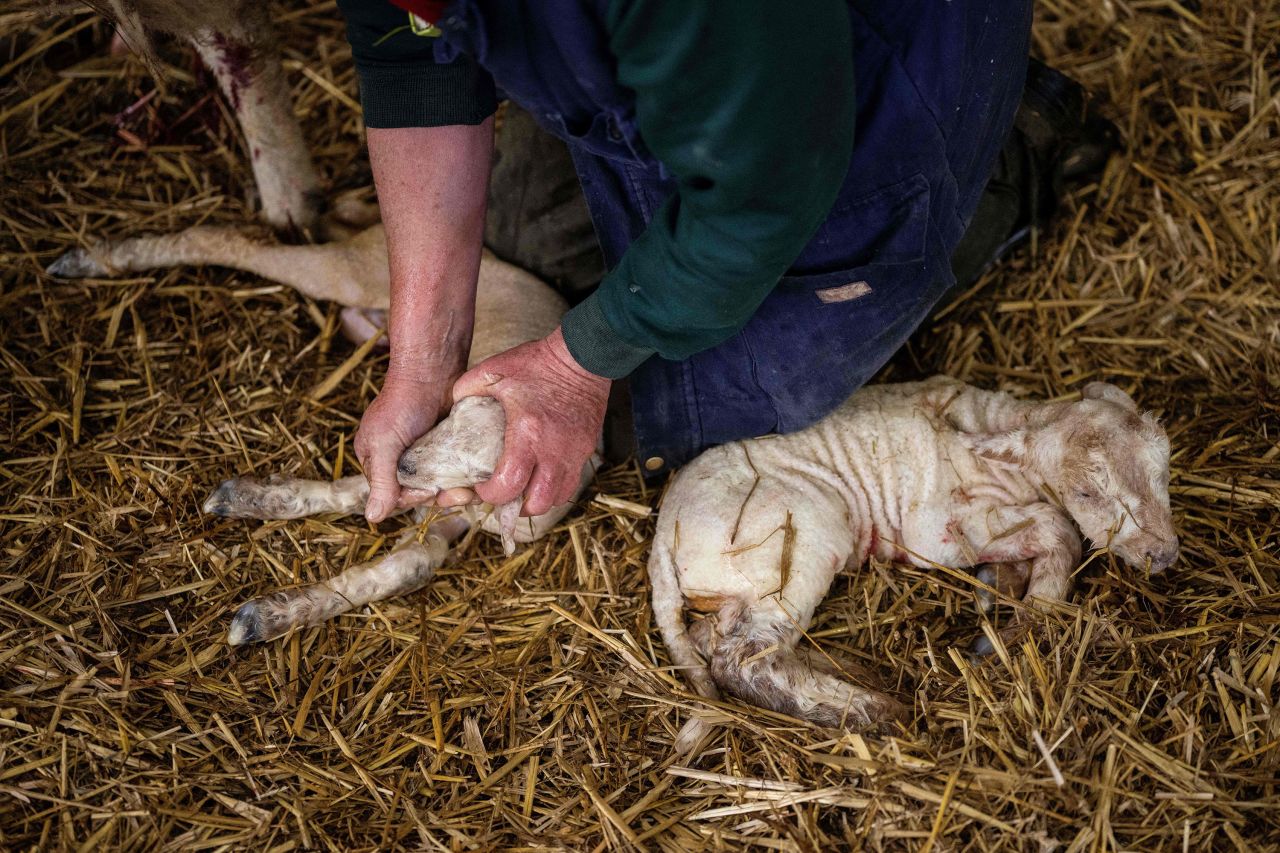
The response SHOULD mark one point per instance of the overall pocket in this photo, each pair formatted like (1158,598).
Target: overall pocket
(852,299)
(882,226)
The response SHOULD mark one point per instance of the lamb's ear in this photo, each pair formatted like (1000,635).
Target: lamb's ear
(1006,448)
(1110,393)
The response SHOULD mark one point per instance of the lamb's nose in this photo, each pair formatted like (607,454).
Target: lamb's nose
(1161,557)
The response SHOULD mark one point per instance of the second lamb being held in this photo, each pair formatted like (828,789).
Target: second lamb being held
(927,473)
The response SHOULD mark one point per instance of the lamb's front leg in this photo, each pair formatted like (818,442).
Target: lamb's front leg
(287,497)
(1034,547)
(406,569)
(1009,580)
(1037,539)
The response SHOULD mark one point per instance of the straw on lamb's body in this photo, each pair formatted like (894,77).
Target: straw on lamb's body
(936,472)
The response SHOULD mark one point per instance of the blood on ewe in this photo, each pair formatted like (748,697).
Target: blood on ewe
(236,41)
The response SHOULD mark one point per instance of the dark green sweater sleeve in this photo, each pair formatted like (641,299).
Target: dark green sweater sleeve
(401,84)
(750,104)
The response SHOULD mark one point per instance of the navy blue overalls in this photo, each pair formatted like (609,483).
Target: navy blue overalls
(937,82)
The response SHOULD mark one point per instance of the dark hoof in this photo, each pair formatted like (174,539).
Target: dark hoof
(221,501)
(247,626)
(76,263)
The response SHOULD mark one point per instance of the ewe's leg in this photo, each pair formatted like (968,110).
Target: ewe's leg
(352,272)
(404,570)
(287,497)
(247,65)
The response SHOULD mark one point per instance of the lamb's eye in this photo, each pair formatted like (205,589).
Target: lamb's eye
(1084,496)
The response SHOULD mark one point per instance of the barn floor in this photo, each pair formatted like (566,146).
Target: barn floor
(522,703)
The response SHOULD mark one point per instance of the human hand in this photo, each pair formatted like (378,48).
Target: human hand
(554,410)
(404,410)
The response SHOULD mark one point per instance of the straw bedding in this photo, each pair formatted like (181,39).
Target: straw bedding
(524,702)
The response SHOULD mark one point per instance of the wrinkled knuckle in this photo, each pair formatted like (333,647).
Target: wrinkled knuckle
(531,427)
(539,493)
(510,479)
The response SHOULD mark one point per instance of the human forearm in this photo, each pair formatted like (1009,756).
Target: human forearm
(431,189)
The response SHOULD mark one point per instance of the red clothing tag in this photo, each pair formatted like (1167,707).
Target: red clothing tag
(428,10)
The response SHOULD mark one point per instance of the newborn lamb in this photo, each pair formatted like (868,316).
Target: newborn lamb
(936,472)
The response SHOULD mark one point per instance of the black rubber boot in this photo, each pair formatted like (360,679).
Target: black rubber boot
(1057,139)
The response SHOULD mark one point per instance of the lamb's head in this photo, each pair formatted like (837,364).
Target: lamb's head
(1108,465)
(461,450)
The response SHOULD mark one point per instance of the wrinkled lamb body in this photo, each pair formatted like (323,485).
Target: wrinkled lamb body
(935,472)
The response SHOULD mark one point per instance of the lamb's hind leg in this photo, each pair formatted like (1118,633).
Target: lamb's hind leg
(755,659)
(404,570)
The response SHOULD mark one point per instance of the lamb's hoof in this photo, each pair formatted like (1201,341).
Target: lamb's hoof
(360,324)
(691,737)
(246,627)
(879,713)
(259,620)
(508,517)
(990,577)
(1010,635)
(222,501)
(77,263)
(892,711)
(983,647)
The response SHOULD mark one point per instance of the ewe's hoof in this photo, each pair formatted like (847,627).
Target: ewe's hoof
(76,263)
